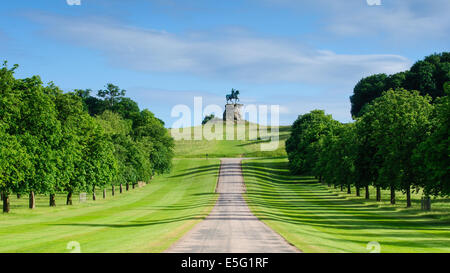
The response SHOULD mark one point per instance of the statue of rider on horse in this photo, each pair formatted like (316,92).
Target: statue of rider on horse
(233,96)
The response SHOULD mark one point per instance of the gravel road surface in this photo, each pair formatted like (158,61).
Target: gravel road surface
(231,227)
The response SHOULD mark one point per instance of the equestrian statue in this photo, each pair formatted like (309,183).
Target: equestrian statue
(233,96)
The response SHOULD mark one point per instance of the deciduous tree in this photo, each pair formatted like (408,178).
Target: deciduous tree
(303,145)
(400,120)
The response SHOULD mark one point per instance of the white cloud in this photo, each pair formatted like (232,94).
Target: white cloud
(168,98)
(399,23)
(373,2)
(237,57)
(284,110)
(418,21)
(73,2)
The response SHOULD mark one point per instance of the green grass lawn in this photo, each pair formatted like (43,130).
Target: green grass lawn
(246,147)
(316,218)
(147,219)
(310,215)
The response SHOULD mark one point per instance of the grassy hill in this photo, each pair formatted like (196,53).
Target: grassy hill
(245,147)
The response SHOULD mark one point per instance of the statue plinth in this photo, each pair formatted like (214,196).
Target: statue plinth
(233,112)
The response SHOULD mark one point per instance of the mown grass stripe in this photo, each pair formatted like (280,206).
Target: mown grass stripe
(137,221)
(316,218)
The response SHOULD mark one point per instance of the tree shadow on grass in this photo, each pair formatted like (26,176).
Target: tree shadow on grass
(141,223)
(268,139)
(203,170)
(279,196)
(176,207)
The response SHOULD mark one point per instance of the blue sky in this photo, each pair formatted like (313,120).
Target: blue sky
(301,55)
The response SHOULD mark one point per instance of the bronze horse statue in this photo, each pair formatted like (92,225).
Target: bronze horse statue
(233,96)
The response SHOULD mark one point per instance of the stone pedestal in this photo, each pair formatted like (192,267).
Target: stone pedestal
(233,112)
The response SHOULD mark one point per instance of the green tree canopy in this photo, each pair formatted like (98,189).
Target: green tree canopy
(52,142)
(400,120)
(336,160)
(302,146)
(367,90)
(208,118)
(112,94)
(432,156)
(427,76)
(147,126)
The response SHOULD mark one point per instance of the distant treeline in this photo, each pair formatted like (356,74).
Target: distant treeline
(53,142)
(399,141)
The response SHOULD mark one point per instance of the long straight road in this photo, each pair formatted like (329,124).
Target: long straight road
(231,227)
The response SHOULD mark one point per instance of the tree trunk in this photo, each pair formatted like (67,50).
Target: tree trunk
(134,185)
(128,186)
(329,185)
(52,200)
(1,196)
(104,193)
(93,193)
(18,196)
(408,196)
(367,192)
(6,205)
(349,189)
(358,191)
(335,186)
(69,199)
(392,195)
(427,203)
(113,190)
(378,193)
(342,187)
(121,188)
(31,200)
